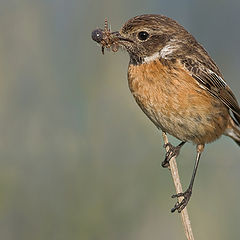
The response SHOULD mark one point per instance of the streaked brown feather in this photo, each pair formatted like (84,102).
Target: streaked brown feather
(215,84)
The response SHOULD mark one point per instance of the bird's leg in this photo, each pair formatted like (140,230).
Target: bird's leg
(179,206)
(172,152)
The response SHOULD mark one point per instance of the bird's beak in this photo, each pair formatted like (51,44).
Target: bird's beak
(118,37)
(109,39)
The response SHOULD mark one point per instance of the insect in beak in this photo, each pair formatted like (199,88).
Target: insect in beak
(108,39)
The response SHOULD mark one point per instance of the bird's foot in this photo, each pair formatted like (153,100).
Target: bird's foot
(179,206)
(172,152)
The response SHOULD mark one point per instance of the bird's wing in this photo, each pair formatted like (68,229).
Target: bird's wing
(214,84)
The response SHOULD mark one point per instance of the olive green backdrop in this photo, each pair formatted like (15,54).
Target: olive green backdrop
(78,158)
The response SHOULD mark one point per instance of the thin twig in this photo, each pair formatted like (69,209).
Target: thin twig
(174,171)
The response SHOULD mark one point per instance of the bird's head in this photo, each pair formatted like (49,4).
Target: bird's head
(147,37)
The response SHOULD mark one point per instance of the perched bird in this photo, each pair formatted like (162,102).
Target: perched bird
(176,84)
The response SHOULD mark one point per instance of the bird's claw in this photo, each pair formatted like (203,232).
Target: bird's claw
(172,152)
(179,206)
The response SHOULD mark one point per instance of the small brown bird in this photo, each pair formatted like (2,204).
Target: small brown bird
(176,84)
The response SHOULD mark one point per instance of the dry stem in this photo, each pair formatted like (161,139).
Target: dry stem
(184,214)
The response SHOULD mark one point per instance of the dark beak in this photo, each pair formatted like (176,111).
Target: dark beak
(120,38)
(99,34)
(109,39)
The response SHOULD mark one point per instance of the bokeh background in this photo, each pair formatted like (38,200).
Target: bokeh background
(78,158)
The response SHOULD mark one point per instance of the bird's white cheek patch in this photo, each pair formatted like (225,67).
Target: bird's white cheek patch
(168,49)
(151,58)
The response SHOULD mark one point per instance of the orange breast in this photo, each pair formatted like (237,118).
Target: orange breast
(176,103)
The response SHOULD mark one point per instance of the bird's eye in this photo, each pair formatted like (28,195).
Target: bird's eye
(143,36)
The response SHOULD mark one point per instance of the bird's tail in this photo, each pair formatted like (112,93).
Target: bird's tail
(233,131)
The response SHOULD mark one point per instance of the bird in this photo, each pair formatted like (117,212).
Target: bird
(176,84)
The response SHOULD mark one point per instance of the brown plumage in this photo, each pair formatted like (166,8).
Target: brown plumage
(177,85)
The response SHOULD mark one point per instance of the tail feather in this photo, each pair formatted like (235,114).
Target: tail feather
(233,131)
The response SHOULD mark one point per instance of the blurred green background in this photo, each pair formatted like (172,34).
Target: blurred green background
(78,158)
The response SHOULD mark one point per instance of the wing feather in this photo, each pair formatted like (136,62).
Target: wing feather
(214,84)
